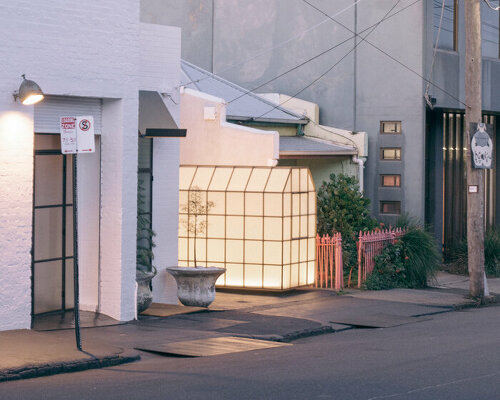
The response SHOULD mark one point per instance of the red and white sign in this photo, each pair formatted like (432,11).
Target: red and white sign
(85,134)
(77,135)
(68,135)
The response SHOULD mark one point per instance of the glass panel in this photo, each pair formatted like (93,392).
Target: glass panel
(295,227)
(303,204)
(311,265)
(69,179)
(183,249)
(273,228)
(295,204)
(219,202)
(185,177)
(277,180)
(234,251)
(391,180)
(286,276)
(310,184)
(287,226)
(489,31)
(48,282)
(234,227)
(391,153)
(303,179)
(273,253)
(303,249)
(311,253)
(253,228)
(258,180)
(70,287)
(312,202)
(253,276)
(145,146)
(215,250)
(239,179)
(202,178)
(220,179)
(253,251)
(294,275)
(216,226)
(286,252)
(312,226)
(303,274)
(295,180)
(444,17)
(234,274)
(303,225)
(294,255)
(48,233)
(273,204)
(69,231)
(272,277)
(390,207)
(48,179)
(47,142)
(183,200)
(234,205)
(390,126)
(288,185)
(254,203)
(287,204)
(201,250)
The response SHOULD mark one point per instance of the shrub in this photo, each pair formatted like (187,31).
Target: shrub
(342,208)
(459,261)
(408,263)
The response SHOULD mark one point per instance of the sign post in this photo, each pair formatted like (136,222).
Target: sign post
(77,136)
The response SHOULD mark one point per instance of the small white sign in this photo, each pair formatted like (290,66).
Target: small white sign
(85,134)
(68,135)
(473,188)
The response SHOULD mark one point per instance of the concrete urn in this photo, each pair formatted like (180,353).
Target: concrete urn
(144,294)
(196,285)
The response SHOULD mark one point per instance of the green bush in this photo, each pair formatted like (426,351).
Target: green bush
(342,208)
(458,255)
(408,263)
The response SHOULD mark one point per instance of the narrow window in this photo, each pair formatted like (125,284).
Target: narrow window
(390,207)
(445,24)
(390,153)
(489,31)
(390,127)
(390,180)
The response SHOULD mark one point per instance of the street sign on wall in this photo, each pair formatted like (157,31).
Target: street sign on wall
(77,134)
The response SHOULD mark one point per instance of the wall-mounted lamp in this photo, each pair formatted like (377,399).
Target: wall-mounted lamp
(29,92)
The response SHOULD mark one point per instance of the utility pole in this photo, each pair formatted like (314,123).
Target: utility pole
(475,177)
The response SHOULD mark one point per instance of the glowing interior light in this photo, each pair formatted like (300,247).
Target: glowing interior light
(261,225)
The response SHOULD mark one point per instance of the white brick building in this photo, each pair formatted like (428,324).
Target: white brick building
(93,56)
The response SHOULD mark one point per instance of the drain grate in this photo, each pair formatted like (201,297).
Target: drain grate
(211,346)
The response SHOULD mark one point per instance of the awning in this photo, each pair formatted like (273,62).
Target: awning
(304,147)
(154,117)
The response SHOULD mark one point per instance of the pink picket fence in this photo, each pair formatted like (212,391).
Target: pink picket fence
(329,266)
(371,244)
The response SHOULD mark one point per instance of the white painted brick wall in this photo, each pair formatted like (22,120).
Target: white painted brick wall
(94,48)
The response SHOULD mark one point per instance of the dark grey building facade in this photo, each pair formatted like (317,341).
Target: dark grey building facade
(366,63)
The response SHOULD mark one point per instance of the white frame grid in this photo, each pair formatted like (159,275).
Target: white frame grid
(262,227)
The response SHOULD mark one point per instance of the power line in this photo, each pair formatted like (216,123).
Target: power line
(338,62)
(391,57)
(490,6)
(320,54)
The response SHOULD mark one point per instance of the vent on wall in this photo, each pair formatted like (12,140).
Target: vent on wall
(48,112)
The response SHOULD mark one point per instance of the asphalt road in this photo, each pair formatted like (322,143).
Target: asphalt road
(453,355)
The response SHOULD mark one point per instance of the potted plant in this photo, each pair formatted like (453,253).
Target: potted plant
(145,270)
(196,285)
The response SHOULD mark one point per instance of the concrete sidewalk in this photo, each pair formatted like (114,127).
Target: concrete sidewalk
(279,317)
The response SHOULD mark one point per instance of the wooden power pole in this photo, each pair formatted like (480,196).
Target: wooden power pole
(475,177)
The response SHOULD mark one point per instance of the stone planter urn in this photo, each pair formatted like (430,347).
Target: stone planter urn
(144,294)
(196,285)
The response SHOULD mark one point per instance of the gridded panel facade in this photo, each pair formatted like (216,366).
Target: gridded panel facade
(260,224)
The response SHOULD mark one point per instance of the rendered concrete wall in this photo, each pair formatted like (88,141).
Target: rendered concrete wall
(217,142)
(89,49)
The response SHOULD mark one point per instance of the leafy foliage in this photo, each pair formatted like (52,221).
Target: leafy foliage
(408,263)
(145,243)
(342,208)
(458,256)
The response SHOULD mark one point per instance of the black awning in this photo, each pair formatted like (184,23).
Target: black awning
(154,117)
